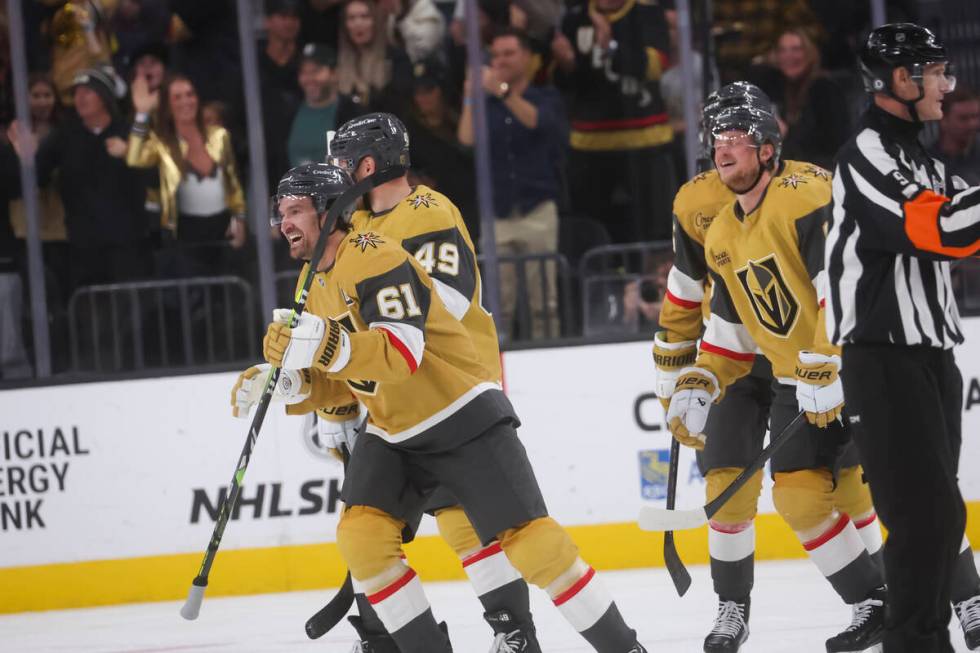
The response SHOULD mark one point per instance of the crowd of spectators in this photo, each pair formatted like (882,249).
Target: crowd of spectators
(138,124)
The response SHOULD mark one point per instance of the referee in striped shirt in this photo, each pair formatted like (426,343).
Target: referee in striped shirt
(898,220)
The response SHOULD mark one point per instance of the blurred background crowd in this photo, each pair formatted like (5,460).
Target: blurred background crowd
(138,135)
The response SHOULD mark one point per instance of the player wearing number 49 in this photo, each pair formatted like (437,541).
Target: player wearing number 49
(430,227)
(436,417)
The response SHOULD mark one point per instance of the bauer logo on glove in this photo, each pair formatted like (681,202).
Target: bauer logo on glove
(690,404)
(818,388)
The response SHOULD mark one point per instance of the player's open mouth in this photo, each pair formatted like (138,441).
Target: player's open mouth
(294,238)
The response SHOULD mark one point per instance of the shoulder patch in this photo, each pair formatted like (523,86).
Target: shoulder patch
(365,240)
(817,172)
(422,200)
(792,181)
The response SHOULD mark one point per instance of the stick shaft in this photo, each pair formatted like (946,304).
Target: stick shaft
(760,461)
(342,203)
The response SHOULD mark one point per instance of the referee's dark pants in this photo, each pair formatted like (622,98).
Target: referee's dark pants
(904,404)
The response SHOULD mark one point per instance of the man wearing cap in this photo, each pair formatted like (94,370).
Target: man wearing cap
(318,113)
(278,58)
(102,196)
(149,61)
(280,54)
(439,160)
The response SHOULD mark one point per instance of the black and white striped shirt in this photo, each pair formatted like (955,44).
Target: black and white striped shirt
(893,232)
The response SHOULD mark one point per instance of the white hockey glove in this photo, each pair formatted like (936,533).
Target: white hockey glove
(670,358)
(312,341)
(324,438)
(818,387)
(293,387)
(696,388)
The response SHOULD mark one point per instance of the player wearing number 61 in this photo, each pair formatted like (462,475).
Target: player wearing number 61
(437,416)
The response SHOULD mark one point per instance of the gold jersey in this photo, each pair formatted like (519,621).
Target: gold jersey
(412,364)
(687,301)
(430,228)
(767,274)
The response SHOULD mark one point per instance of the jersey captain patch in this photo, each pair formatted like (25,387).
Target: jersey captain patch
(770,296)
(422,199)
(369,239)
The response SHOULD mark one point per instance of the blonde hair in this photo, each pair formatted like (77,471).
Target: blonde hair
(798,90)
(361,71)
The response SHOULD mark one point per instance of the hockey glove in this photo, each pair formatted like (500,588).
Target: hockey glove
(670,358)
(818,387)
(293,387)
(694,391)
(326,437)
(311,341)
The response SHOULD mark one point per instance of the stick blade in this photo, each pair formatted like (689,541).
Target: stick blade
(330,615)
(192,606)
(657,519)
(675,566)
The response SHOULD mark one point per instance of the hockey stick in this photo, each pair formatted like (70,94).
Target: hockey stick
(659,519)
(675,566)
(192,606)
(330,615)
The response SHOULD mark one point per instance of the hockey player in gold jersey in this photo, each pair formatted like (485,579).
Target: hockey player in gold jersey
(429,227)
(436,417)
(763,255)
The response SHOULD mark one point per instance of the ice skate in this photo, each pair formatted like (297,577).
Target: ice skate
(731,627)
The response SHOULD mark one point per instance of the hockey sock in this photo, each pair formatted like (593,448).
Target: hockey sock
(841,556)
(369,618)
(498,585)
(401,606)
(870,531)
(965,582)
(583,600)
(732,551)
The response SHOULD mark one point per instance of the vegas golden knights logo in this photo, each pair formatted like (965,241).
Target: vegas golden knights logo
(770,296)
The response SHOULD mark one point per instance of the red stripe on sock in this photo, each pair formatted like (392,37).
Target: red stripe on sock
(729,529)
(866,522)
(831,533)
(574,589)
(482,554)
(382,594)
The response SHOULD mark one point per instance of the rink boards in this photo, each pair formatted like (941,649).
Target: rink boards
(108,491)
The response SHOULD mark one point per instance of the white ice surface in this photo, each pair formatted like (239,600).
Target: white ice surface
(793,609)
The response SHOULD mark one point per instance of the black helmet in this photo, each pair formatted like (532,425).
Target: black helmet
(379,135)
(757,122)
(736,94)
(321,182)
(898,45)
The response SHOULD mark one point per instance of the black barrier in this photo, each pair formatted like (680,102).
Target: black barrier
(175,323)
